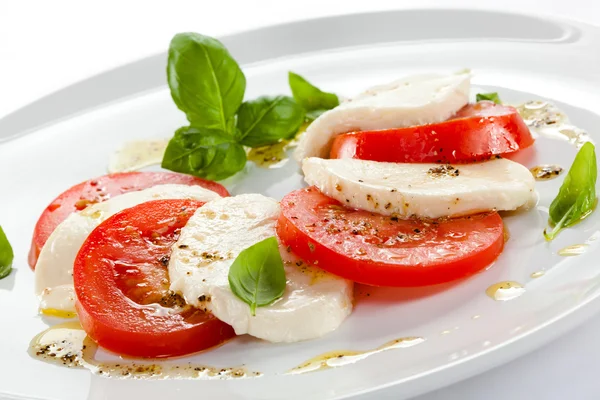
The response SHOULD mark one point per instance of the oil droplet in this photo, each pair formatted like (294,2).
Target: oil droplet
(445,332)
(540,113)
(547,120)
(595,236)
(537,274)
(574,250)
(96,214)
(61,344)
(53,312)
(476,317)
(68,345)
(273,156)
(505,232)
(334,359)
(578,249)
(503,291)
(546,172)
(137,155)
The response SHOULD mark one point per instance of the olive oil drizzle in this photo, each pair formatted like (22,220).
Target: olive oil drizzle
(68,345)
(273,156)
(138,154)
(339,358)
(579,249)
(546,172)
(547,120)
(573,250)
(504,291)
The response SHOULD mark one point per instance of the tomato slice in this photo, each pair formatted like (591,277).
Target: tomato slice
(385,251)
(122,286)
(100,189)
(477,132)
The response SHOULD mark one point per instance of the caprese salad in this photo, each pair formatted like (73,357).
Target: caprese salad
(405,183)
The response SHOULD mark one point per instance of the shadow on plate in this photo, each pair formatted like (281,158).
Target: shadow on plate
(8,283)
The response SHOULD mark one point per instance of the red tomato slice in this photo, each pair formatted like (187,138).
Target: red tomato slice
(122,285)
(384,251)
(477,132)
(100,189)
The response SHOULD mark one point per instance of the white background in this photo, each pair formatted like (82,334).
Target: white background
(46,45)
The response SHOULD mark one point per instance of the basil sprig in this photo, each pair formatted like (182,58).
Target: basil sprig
(488,96)
(6,255)
(577,196)
(206,82)
(310,97)
(257,276)
(208,85)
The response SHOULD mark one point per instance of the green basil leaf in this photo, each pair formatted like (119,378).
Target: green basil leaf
(576,198)
(312,115)
(231,128)
(267,120)
(206,82)
(206,153)
(310,97)
(6,255)
(257,275)
(488,96)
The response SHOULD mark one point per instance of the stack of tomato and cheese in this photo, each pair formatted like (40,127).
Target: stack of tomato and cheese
(406,181)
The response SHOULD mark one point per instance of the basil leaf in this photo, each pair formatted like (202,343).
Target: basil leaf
(576,198)
(310,97)
(206,82)
(6,255)
(488,96)
(267,120)
(312,115)
(206,153)
(257,276)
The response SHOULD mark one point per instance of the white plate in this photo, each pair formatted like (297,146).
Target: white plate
(68,136)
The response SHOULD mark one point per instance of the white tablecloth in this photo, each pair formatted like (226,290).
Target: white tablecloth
(46,45)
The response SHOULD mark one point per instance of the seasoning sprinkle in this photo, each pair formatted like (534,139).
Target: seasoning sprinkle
(443,170)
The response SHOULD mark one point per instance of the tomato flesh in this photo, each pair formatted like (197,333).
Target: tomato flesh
(386,251)
(477,132)
(100,189)
(122,285)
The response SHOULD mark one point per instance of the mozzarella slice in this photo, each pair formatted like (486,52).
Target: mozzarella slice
(54,268)
(423,190)
(314,303)
(415,100)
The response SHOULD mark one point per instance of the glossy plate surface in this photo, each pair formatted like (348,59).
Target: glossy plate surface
(69,136)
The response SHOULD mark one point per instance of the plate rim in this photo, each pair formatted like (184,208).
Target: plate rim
(60,102)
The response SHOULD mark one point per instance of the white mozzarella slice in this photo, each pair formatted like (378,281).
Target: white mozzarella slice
(423,190)
(54,268)
(313,304)
(415,100)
